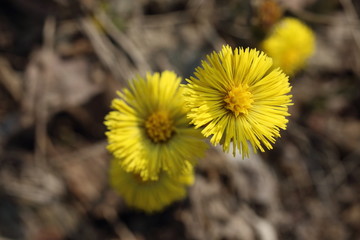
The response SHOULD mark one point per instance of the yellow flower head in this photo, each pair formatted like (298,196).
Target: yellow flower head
(290,44)
(237,99)
(148,129)
(149,195)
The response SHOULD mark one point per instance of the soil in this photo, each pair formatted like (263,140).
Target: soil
(61,62)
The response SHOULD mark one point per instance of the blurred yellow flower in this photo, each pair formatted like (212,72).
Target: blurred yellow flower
(149,195)
(149,130)
(290,44)
(237,99)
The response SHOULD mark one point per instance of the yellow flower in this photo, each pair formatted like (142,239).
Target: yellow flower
(149,130)
(150,195)
(290,44)
(237,99)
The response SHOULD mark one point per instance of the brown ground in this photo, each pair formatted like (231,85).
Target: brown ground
(60,63)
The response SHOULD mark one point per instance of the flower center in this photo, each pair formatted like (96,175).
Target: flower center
(291,57)
(159,127)
(239,100)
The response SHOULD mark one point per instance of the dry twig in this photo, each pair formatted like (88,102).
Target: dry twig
(124,42)
(107,52)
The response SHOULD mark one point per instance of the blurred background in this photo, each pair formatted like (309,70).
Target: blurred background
(60,64)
